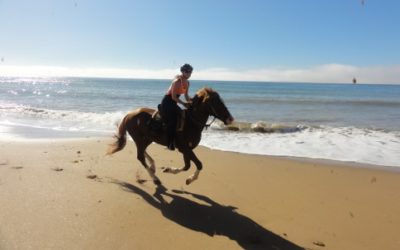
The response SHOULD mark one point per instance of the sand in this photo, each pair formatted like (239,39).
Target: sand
(66,194)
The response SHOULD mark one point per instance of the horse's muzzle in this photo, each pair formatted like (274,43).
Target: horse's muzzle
(229,120)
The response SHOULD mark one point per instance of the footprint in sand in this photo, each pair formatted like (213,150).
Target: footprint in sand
(3,163)
(17,167)
(139,178)
(319,243)
(141,181)
(94,177)
(57,169)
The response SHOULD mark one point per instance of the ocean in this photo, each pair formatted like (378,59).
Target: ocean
(345,122)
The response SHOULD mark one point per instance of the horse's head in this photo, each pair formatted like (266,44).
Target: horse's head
(213,104)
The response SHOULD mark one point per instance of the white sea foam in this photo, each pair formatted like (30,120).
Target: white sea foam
(343,144)
(61,120)
(335,143)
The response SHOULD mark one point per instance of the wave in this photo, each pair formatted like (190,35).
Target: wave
(342,144)
(361,145)
(78,119)
(35,80)
(259,127)
(67,120)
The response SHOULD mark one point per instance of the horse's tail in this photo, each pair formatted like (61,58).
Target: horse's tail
(120,136)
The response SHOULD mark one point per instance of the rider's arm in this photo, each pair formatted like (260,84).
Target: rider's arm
(187,97)
(174,95)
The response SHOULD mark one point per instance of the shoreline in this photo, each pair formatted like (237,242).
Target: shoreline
(322,161)
(66,194)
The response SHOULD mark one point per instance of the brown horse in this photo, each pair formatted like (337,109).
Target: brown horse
(206,102)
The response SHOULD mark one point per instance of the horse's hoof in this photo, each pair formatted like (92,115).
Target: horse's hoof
(157,182)
(167,170)
(188,181)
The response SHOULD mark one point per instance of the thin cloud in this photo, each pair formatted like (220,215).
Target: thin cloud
(329,73)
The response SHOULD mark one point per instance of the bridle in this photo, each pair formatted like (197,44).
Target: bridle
(200,124)
(213,113)
(208,125)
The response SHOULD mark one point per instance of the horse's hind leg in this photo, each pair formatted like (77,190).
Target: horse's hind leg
(152,167)
(141,156)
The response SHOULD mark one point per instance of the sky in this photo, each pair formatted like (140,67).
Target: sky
(254,40)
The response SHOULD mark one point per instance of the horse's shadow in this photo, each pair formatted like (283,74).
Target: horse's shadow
(211,219)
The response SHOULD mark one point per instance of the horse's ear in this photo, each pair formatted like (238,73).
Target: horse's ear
(208,93)
(202,95)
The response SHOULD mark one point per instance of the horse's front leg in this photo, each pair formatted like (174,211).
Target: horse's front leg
(188,155)
(198,164)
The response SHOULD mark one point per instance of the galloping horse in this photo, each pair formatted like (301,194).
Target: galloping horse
(206,102)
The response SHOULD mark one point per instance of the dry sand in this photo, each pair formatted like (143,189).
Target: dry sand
(66,194)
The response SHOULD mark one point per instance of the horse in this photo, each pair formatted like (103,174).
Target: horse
(205,103)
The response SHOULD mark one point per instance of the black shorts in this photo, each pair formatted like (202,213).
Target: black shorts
(169,109)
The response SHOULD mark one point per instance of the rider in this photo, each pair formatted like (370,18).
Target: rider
(169,104)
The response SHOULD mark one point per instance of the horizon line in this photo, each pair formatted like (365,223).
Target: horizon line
(326,73)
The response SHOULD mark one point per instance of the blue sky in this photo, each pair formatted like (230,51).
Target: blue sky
(265,40)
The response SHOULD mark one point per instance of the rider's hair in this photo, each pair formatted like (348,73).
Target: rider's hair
(186,68)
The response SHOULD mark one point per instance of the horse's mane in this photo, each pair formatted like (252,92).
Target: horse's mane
(204,93)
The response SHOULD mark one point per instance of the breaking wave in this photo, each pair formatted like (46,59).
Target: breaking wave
(259,127)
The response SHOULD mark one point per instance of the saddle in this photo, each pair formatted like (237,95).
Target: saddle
(157,123)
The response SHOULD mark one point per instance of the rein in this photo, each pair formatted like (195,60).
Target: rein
(214,115)
(200,124)
(208,125)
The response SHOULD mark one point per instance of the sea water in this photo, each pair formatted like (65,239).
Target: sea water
(346,122)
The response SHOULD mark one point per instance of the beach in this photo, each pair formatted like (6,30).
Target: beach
(292,113)
(66,194)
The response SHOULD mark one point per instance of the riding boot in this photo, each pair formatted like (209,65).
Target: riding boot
(171,126)
(171,146)
(171,143)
